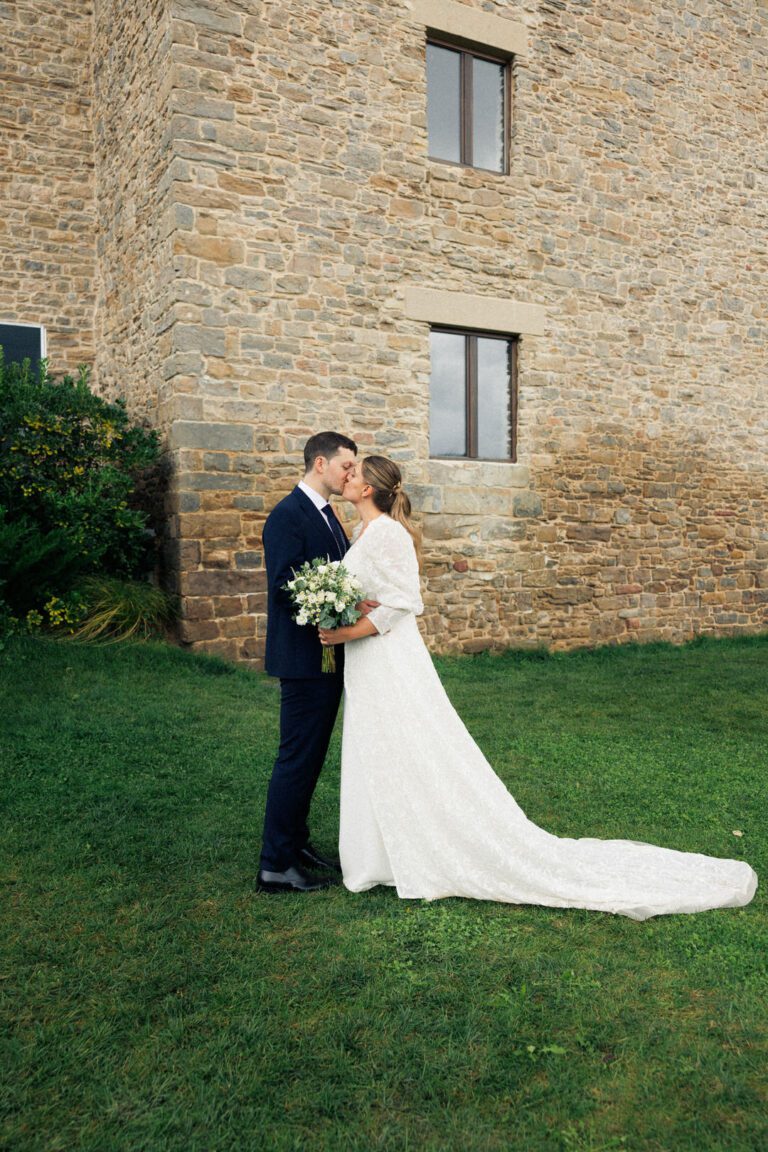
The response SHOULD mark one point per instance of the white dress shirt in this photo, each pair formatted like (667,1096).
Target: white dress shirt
(319,503)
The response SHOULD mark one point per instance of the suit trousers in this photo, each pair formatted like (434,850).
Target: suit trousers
(308,711)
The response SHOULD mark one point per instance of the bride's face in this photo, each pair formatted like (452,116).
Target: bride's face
(355,485)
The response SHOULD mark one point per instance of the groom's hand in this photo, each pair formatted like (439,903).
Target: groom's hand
(366,606)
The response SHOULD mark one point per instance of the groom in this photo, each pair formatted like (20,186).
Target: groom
(301,527)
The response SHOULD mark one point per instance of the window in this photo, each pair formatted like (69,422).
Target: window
(466,107)
(472,403)
(22,341)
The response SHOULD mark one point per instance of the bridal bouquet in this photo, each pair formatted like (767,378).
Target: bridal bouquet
(324,594)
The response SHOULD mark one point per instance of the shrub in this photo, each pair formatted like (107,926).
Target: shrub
(34,563)
(118,609)
(71,465)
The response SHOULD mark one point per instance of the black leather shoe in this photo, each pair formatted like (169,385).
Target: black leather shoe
(309,857)
(292,880)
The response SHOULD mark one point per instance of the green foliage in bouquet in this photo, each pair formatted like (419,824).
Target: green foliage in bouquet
(324,594)
(71,465)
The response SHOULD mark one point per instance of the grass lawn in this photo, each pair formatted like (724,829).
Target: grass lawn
(152,1000)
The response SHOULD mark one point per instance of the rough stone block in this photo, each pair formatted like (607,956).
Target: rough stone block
(188,502)
(238,626)
(220,437)
(221,583)
(252,279)
(588,533)
(577,594)
(191,631)
(249,559)
(214,481)
(216,249)
(195,104)
(210,525)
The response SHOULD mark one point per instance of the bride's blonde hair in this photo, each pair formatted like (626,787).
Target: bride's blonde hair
(385,478)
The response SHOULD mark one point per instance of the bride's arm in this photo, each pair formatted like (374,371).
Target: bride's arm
(363,627)
(397,588)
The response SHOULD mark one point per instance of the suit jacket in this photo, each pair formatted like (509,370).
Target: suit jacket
(294,531)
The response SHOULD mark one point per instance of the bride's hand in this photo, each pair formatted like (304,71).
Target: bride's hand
(330,636)
(363,627)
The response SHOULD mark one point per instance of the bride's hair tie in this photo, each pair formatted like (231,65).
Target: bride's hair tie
(396,488)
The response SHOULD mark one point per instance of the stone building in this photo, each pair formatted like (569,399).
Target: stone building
(519,245)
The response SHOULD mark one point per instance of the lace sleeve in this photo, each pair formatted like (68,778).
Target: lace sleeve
(397,585)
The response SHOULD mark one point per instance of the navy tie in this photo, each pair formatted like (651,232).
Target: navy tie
(336,528)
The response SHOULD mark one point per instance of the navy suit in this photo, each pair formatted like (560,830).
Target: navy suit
(296,531)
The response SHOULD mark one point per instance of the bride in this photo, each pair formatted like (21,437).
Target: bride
(421,808)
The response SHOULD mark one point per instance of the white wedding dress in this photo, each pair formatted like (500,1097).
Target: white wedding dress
(421,808)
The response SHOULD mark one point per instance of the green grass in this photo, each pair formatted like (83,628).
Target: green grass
(152,1000)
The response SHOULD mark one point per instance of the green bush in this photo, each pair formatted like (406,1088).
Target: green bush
(34,563)
(71,469)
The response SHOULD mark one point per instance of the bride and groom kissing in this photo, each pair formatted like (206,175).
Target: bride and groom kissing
(421,808)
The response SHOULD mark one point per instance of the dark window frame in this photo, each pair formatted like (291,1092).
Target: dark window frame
(465,103)
(29,327)
(471,337)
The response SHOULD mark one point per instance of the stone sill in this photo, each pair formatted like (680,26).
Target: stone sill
(478,487)
(477,473)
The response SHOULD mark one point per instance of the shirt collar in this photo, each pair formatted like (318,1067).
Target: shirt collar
(315,497)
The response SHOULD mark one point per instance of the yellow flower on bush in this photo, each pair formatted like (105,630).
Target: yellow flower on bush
(65,615)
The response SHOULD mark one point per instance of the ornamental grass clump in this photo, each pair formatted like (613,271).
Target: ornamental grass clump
(120,609)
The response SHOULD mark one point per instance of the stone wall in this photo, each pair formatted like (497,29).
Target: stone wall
(634,213)
(638,217)
(48,216)
(133,80)
(265,207)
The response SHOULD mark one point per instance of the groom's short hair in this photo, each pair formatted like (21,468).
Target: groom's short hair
(326,444)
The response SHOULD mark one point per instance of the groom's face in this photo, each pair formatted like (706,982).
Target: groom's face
(337,469)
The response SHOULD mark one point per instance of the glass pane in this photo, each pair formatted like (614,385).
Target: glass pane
(443,115)
(487,114)
(447,396)
(494,400)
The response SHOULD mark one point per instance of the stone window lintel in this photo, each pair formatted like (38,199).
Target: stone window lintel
(476,313)
(470,27)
